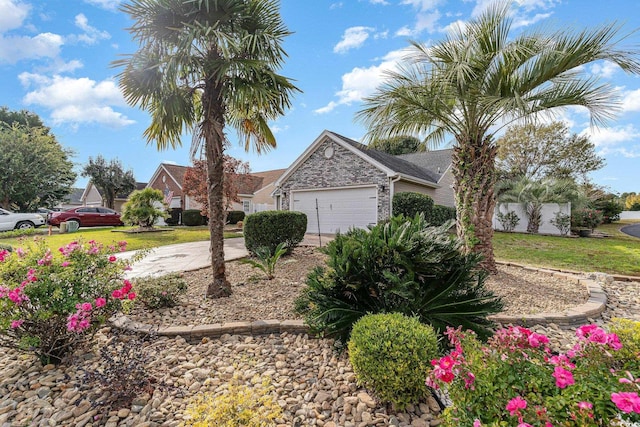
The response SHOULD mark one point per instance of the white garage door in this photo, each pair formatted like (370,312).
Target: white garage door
(338,210)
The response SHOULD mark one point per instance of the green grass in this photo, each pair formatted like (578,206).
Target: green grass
(108,236)
(617,254)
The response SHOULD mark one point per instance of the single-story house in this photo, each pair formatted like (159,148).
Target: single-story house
(340,183)
(92,197)
(169,178)
(72,200)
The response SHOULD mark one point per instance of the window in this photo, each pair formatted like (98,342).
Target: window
(246,206)
(87,210)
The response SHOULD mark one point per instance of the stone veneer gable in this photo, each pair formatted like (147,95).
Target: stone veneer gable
(344,169)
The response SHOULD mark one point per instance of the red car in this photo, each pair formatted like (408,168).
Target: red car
(86,217)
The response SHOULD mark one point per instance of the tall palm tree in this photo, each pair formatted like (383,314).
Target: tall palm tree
(203,64)
(481,78)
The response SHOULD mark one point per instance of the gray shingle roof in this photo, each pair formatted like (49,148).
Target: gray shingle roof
(75,198)
(398,163)
(436,161)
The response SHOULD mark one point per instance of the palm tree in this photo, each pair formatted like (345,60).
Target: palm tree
(203,64)
(481,78)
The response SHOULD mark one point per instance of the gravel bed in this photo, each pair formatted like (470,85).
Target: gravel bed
(255,298)
(314,385)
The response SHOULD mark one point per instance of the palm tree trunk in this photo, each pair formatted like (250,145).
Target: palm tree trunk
(475,178)
(213,129)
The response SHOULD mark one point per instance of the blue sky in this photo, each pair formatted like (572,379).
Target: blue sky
(55,60)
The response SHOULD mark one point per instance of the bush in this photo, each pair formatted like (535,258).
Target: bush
(270,228)
(6,247)
(173,217)
(49,304)
(18,233)
(159,292)
(141,208)
(266,260)
(239,405)
(233,217)
(400,266)
(390,354)
(610,208)
(193,217)
(628,331)
(508,220)
(441,215)
(562,222)
(586,218)
(516,380)
(409,204)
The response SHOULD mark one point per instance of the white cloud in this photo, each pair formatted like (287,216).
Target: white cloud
(76,100)
(336,6)
(91,34)
(523,21)
(105,4)
(12,14)
(616,140)
(455,27)
(521,10)
(427,17)
(383,2)
(352,38)
(631,101)
(423,5)
(362,82)
(44,45)
(604,69)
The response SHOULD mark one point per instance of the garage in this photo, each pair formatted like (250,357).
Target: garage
(337,209)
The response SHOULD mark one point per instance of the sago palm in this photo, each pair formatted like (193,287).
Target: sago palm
(203,65)
(482,77)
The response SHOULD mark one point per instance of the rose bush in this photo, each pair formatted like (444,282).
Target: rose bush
(49,303)
(516,380)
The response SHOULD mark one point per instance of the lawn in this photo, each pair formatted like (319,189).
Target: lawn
(617,254)
(110,235)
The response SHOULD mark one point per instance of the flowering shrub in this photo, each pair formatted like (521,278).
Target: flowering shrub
(49,303)
(515,380)
(159,292)
(586,218)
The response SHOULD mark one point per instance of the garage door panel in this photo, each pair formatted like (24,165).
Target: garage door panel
(338,210)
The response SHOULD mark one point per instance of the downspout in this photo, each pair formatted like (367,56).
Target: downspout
(392,181)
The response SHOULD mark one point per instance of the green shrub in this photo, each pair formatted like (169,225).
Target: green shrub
(141,208)
(233,217)
(409,204)
(266,260)
(270,228)
(193,217)
(586,218)
(390,354)
(18,233)
(173,217)
(441,215)
(158,292)
(628,331)
(509,220)
(6,247)
(400,266)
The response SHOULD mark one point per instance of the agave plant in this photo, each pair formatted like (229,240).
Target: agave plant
(403,266)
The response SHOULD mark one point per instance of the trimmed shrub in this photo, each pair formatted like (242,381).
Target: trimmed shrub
(390,354)
(174,216)
(270,228)
(233,217)
(142,210)
(440,215)
(159,292)
(193,217)
(400,266)
(409,204)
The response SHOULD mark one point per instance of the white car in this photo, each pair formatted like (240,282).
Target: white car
(19,221)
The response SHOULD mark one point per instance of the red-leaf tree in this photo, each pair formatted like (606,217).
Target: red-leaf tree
(195,182)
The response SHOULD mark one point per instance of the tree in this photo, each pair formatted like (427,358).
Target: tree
(36,170)
(481,78)
(398,145)
(25,118)
(195,182)
(109,178)
(141,208)
(632,202)
(538,151)
(203,64)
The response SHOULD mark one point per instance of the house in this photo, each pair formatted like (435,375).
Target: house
(91,196)
(169,179)
(72,200)
(340,183)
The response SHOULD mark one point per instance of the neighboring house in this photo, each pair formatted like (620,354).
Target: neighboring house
(169,178)
(92,197)
(340,183)
(73,200)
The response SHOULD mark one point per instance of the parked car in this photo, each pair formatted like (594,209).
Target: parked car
(19,221)
(86,217)
(43,212)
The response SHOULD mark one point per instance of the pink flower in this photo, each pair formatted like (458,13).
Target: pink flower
(563,377)
(477,423)
(626,401)
(446,363)
(614,341)
(524,425)
(132,295)
(101,302)
(16,324)
(112,258)
(127,286)
(4,254)
(87,306)
(585,330)
(585,405)
(83,324)
(536,339)
(515,405)
(65,264)
(21,253)
(117,294)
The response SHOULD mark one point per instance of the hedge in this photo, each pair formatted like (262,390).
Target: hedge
(409,204)
(233,217)
(270,228)
(193,217)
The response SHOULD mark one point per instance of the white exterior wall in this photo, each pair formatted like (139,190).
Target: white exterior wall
(548,213)
(630,215)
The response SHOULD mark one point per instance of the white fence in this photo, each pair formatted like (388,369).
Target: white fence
(548,213)
(259,207)
(630,215)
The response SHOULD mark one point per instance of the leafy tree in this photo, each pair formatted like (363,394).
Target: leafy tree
(141,208)
(537,151)
(482,76)
(36,170)
(109,178)
(398,145)
(25,118)
(205,64)
(632,202)
(195,182)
